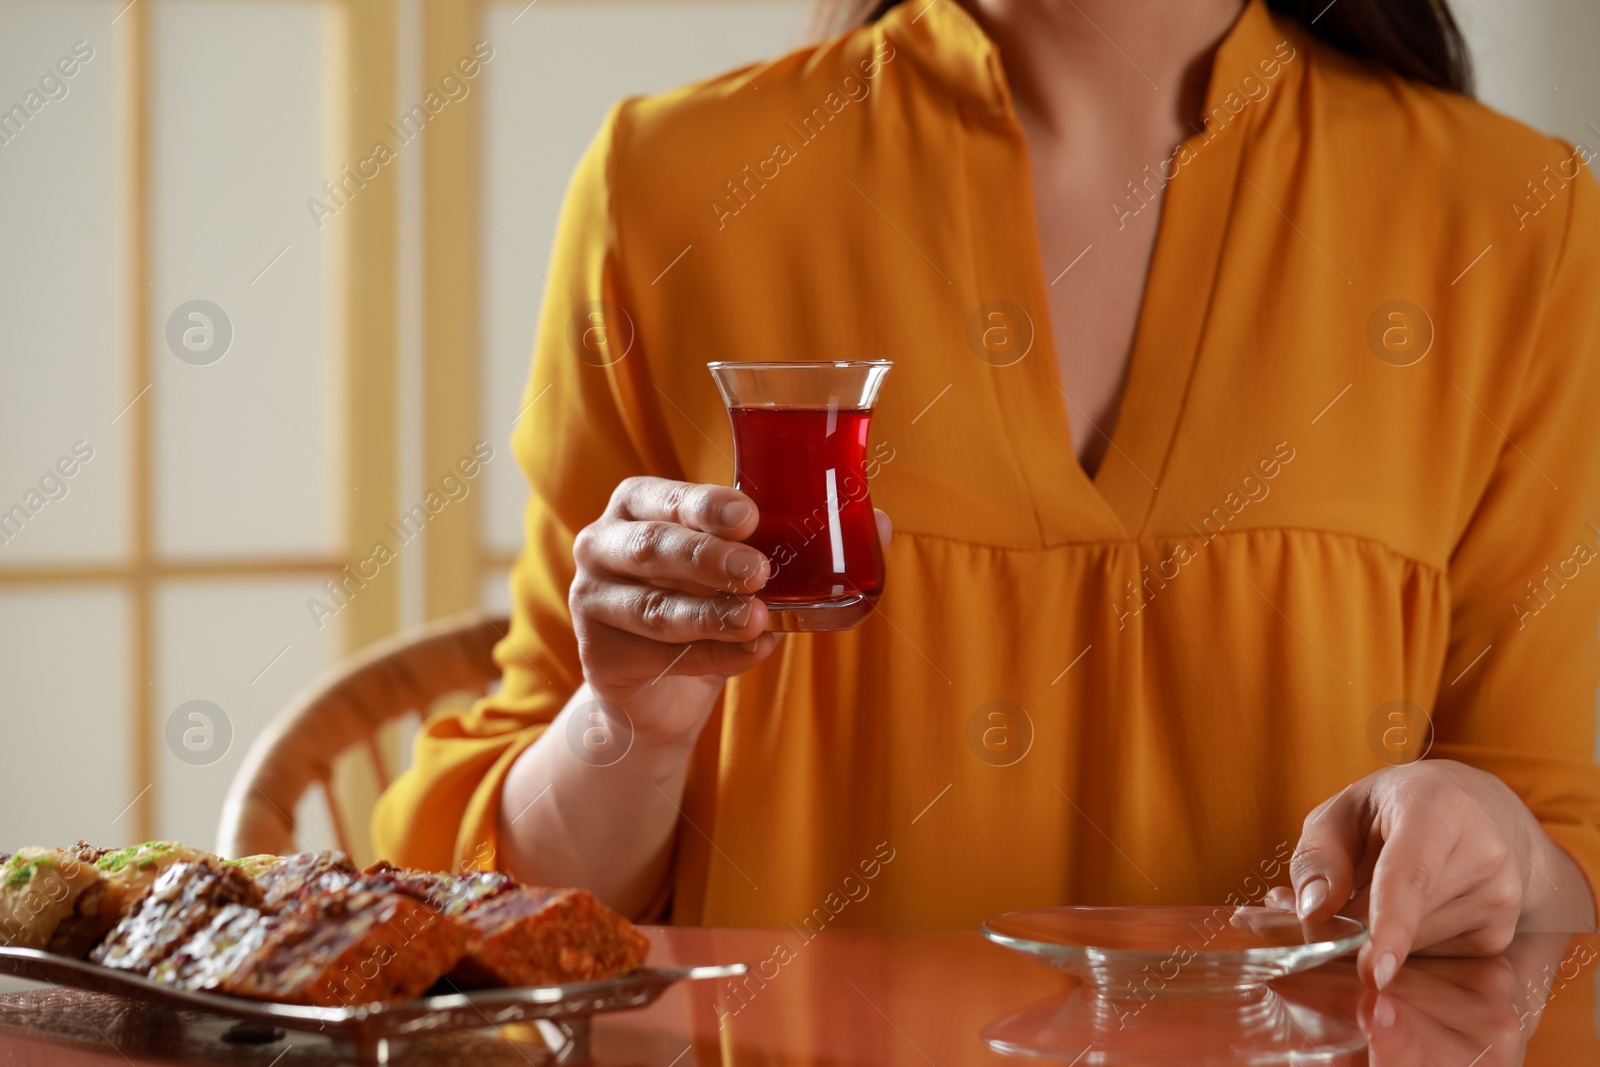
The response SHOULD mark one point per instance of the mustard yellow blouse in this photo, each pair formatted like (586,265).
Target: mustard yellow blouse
(1356,469)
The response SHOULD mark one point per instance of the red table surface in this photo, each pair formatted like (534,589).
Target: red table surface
(915,998)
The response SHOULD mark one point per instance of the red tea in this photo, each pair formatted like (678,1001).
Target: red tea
(805,468)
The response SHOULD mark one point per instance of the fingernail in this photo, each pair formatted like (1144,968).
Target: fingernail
(751,645)
(1383,973)
(744,564)
(1383,1012)
(734,513)
(1312,896)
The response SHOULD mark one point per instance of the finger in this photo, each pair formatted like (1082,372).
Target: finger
(1362,880)
(1407,883)
(657,551)
(885,527)
(1356,907)
(692,588)
(718,657)
(1479,921)
(1323,865)
(674,618)
(714,509)
(650,661)
(1280,897)
(1257,919)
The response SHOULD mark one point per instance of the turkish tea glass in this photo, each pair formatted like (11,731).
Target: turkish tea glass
(800,452)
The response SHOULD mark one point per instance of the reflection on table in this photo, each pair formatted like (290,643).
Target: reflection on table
(846,998)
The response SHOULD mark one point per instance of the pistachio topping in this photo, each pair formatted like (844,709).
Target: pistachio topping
(143,856)
(19,870)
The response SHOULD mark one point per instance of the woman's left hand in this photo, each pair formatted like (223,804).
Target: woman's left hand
(1436,857)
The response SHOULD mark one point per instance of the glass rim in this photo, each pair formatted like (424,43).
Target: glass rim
(798,364)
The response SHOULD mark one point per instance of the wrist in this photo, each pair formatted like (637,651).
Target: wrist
(662,720)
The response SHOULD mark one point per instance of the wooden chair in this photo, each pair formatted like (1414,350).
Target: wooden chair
(408,674)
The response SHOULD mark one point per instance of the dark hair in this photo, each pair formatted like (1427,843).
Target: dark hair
(1417,39)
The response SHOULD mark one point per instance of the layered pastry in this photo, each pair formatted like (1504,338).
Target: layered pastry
(41,891)
(306,929)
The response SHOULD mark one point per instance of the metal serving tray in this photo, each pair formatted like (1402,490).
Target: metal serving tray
(372,1027)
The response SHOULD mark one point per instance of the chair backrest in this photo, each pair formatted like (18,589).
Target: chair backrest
(344,710)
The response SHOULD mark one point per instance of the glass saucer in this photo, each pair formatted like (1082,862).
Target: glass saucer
(1134,952)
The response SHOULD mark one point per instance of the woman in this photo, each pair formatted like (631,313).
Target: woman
(1242,410)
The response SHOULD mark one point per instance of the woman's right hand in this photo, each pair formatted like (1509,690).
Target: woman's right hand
(664,610)
(663,602)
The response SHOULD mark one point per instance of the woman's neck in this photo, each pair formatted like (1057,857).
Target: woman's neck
(1070,63)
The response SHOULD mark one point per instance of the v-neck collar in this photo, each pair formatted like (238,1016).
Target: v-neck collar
(948,44)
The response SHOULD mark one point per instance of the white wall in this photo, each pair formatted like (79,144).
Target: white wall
(1537,60)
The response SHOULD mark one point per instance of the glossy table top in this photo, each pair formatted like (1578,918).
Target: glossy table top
(845,998)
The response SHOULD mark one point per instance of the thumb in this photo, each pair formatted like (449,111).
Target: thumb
(1323,865)
(885,527)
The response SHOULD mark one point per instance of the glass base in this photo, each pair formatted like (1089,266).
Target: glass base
(819,616)
(1082,1028)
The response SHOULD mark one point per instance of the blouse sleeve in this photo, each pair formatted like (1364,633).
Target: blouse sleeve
(1518,693)
(574,445)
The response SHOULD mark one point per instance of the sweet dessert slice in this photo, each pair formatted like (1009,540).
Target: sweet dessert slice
(527,936)
(450,893)
(345,947)
(130,872)
(215,953)
(92,914)
(40,891)
(301,876)
(522,935)
(183,901)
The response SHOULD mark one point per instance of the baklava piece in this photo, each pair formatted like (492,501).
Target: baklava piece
(526,936)
(349,947)
(302,876)
(41,891)
(130,872)
(184,901)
